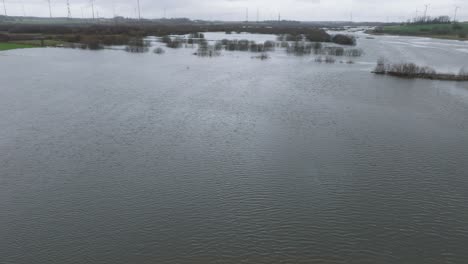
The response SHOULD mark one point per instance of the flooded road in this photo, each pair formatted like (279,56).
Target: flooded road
(113,157)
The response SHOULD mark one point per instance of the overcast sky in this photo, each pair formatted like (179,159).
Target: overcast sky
(234,10)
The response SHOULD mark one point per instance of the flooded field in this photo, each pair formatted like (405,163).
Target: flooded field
(117,157)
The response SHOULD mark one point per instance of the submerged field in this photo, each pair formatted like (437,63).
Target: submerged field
(110,156)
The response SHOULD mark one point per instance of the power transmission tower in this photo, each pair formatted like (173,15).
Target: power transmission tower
(24,10)
(50,9)
(247,14)
(258,15)
(92,8)
(455,16)
(68,9)
(4,8)
(139,10)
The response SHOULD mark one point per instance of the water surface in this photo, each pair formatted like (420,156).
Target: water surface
(112,157)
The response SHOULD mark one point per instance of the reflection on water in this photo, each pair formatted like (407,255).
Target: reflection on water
(113,157)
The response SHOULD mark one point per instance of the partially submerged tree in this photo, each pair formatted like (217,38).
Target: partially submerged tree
(344,39)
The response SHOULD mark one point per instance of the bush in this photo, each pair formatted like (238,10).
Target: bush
(166,39)
(354,52)
(300,48)
(197,35)
(159,51)
(330,59)
(175,43)
(205,50)
(269,45)
(457,26)
(381,67)
(263,56)
(254,47)
(334,51)
(410,69)
(317,46)
(344,40)
(137,46)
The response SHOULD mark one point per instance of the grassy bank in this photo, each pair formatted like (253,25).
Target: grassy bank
(458,31)
(11,46)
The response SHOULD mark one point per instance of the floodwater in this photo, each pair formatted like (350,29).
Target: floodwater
(114,157)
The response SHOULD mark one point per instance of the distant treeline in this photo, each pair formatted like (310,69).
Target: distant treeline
(431,20)
(152,29)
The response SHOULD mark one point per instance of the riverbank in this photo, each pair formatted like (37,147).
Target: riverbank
(11,46)
(457,31)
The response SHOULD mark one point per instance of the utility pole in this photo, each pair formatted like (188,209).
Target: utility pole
(247,14)
(279,17)
(455,16)
(258,15)
(4,8)
(50,9)
(69,10)
(139,10)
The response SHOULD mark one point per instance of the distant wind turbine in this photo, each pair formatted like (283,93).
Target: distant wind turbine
(4,8)
(425,10)
(50,9)
(455,16)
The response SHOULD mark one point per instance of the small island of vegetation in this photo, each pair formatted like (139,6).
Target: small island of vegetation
(413,71)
